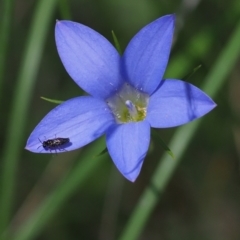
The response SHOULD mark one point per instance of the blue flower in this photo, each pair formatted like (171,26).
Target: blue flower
(127,94)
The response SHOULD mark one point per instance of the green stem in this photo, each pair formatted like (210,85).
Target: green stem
(214,81)
(18,116)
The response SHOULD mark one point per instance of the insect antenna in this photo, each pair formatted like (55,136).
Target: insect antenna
(40,142)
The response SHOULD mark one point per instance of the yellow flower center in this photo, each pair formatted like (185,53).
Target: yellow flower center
(129,104)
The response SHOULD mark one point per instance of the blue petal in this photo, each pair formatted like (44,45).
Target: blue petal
(127,145)
(81,119)
(176,103)
(146,56)
(91,61)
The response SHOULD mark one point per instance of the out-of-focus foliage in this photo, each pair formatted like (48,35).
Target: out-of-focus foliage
(202,200)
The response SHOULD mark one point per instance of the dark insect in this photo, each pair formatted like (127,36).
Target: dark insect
(54,144)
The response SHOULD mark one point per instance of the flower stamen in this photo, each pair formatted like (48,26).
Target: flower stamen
(131,109)
(128,104)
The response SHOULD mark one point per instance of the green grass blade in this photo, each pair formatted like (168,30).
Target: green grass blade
(116,43)
(156,135)
(18,116)
(192,73)
(52,100)
(214,81)
(65,190)
(5,27)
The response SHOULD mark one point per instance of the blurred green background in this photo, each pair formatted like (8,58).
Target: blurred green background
(202,199)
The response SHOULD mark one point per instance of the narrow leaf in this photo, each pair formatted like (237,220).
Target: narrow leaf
(155,134)
(102,152)
(193,72)
(116,43)
(52,100)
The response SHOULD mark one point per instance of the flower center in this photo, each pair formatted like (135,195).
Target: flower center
(128,104)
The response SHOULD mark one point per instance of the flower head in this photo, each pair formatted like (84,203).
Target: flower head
(127,93)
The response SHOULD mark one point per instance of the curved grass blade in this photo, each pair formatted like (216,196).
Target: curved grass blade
(156,135)
(52,100)
(193,72)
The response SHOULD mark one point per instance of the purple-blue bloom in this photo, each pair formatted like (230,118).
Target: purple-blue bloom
(127,93)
